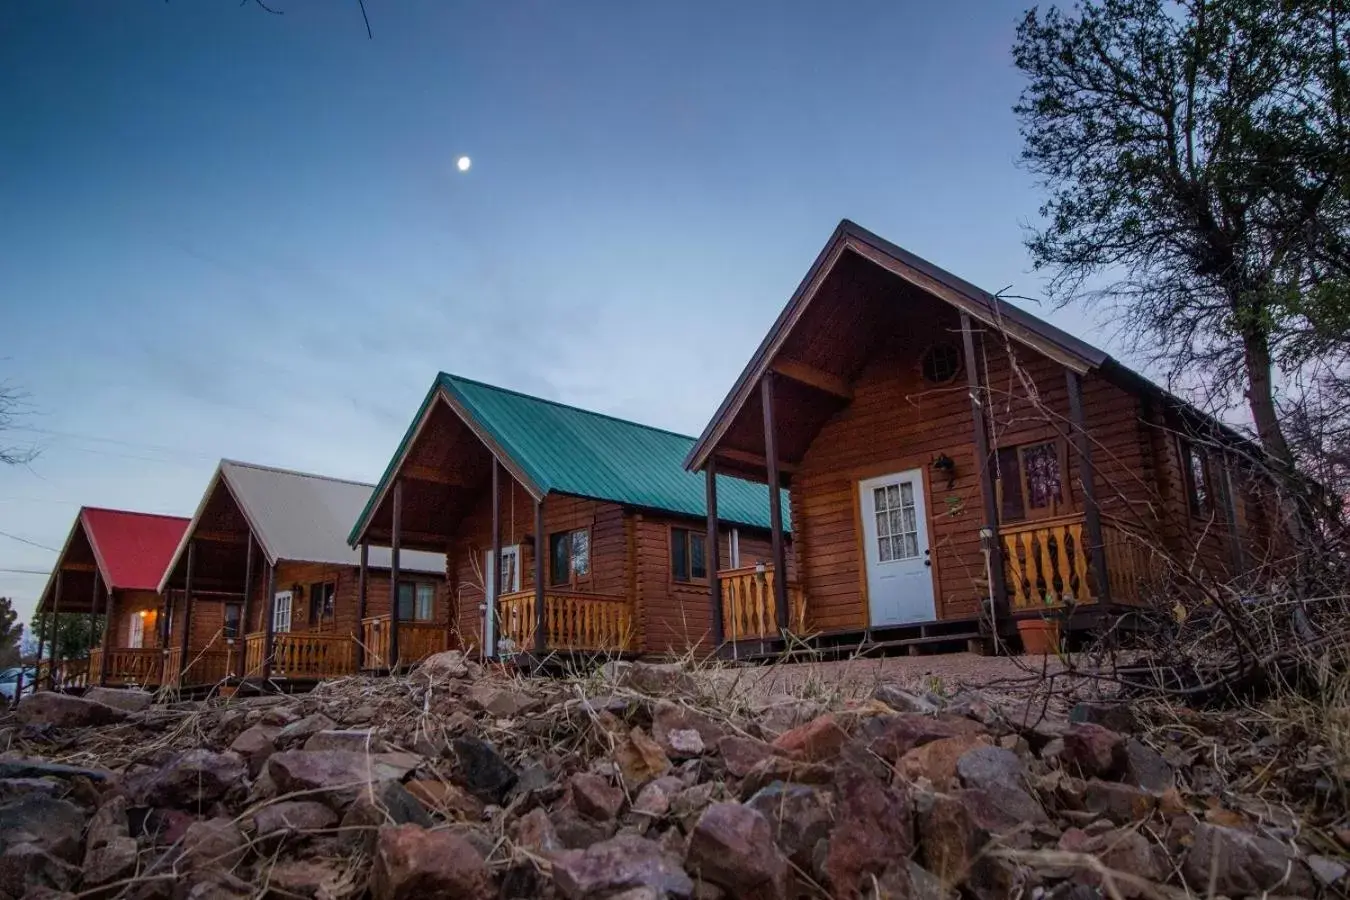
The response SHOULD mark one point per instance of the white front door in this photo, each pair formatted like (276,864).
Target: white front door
(895,542)
(509,571)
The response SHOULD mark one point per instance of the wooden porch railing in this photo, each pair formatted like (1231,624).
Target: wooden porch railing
(173,666)
(302,655)
(127,666)
(748,607)
(1049,564)
(416,641)
(573,620)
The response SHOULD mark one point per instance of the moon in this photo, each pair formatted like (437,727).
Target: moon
(463,163)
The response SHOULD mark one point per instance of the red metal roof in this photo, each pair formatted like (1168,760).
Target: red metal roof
(132,548)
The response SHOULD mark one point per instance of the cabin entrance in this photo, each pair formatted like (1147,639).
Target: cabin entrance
(895,549)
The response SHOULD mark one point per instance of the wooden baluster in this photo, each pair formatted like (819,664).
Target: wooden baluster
(1067,586)
(1047,564)
(1015,565)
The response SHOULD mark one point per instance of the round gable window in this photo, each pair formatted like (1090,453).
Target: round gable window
(941,363)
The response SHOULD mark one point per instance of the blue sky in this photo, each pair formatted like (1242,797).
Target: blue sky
(230,233)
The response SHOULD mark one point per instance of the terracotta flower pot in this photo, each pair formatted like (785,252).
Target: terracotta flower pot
(1040,637)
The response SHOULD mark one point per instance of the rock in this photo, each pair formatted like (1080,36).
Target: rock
(741,754)
(1145,768)
(12,767)
(301,730)
(189,780)
(688,804)
(534,832)
(255,744)
(799,817)
(777,768)
(213,885)
(985,767)
(1117,717)
(954,830)
(576,832)
(653,679)
(291,816)
(1243,863)
(936,760)
(353,740)
(113,860)
(640,759)
(214,844)
(411,863)
(595,797)
(1327,870)
(481,769)
(1121,803)
(903,701)
(668,717)
(65,711)
(446,799)
(304,878)
(683,743)
(51,825)
(18,788)
(501,702)
(26,868)
(1093,751)
(873,832)
(891,737)
(1127,851)
(338,775)
(280,716)
(623,863)
(732,846)
(653,801)
(386,803)
(448,664)
(127,700)
(817,741)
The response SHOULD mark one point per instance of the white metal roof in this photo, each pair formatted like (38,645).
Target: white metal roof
(304,518)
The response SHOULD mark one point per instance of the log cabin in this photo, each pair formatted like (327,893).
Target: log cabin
(264,588)
(960,468)
(599,534)
(109,569)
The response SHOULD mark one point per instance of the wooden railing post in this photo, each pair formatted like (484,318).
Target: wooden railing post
(494,576)
(540,606)
(52,634)
(1092,519)
(107,630)
(998,590)
(395,538)
(269,623)
(713,553)
(775,500)
(187,606)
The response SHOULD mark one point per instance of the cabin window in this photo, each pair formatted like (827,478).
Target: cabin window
(281,612)
(322,596)
(416,601)
(688,555)
(234,616)
(940,363)
(1202,474)
(897,521)
(136,631)
(571,555)
(1031,481)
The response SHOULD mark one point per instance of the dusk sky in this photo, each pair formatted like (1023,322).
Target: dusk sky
(227,233)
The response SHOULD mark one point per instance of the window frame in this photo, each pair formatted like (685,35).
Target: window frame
(322,608)
(416,584)
(1067,503)
(278,608)
(225,621)
(1198,506)
(679,534)
(574,578)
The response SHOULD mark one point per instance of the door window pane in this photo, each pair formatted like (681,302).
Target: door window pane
(1040,463)
(560,551)
(581,552)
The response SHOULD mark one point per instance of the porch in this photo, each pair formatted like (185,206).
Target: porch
(416,641)
(299,656)
(126,666)
(573,620)
(210,666)
(749,604)
(1050,564)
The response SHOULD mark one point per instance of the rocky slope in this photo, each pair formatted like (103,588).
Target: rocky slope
(642,782)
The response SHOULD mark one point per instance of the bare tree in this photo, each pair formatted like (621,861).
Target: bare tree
(13,404)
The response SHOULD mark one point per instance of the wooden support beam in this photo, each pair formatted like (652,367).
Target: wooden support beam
(244,616)
(780,581)
(362,587)
(810,376)
(395,538)
(79,567)
(187,605)
(270,623)
(1092,519)
(53,632)
(753,460)
(220,537)
(540,610)
(712,553)
(107,629)
(432,475)
(998,592)
(495,575)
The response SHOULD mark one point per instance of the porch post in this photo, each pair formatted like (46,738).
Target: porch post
(362,579)
(248,606)
(187,610)
(713,554)
(540,603)
(1092,519)
(93,622)
(396,537)
(52,633)
(998,591)
(107,630)
(269,622)
(780,587)
(494,576)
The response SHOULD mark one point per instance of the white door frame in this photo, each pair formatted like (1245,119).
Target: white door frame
(278,608)
(915,572)
(489,578)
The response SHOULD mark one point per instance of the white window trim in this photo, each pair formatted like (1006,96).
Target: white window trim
(281,612)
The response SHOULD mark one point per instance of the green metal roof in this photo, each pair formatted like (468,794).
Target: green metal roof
(566,450)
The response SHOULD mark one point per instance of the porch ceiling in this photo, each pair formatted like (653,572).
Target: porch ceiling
(221,555)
